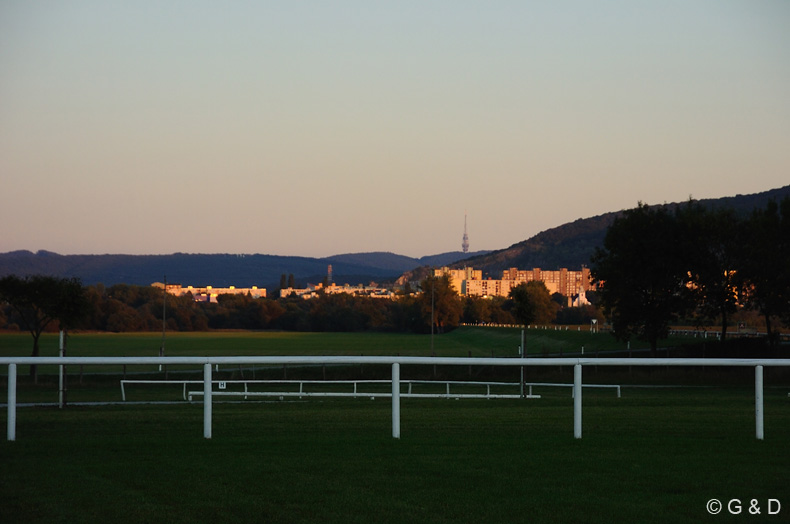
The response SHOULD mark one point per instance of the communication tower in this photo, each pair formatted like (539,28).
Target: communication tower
(465,243)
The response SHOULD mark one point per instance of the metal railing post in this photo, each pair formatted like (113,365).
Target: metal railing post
(62,348)
(758,402)
(11,401)
(206,400)
(577,401)
(395,400)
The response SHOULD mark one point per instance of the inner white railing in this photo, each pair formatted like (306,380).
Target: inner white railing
(395,363)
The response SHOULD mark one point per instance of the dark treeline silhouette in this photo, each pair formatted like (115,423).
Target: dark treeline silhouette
(659,265)
(132,308)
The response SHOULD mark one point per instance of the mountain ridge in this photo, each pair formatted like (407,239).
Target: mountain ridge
(569,245)
(217,269)
(572,244)
(401,263)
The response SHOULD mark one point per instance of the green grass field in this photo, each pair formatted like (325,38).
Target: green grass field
(462,342)
(654,455)
(651,456)
(479,341)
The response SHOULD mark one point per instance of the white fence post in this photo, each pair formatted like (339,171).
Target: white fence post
(13,362)
(395,400)
(207,400)
(62,348)
(577,401)
(11,401)
(758,402)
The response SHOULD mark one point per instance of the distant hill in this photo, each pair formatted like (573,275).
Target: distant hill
(571,245)
(445,259)
(219,270)
(400,263)
(380,260)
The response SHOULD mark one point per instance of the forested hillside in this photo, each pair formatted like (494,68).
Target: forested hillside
(219,270)
(571,245)
(400,263)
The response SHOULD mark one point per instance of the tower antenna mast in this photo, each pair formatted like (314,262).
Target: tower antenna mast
(465,243)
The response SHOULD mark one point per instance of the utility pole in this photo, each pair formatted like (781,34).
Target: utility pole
(164,321)
(523,354)
(62,373)
(433,287)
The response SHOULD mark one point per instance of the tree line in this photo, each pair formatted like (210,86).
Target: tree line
(31,304)
(661,264)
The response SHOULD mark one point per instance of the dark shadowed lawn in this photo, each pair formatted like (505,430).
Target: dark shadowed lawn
(651,456)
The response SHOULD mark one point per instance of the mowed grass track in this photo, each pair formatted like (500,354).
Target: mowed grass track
(654,455)
(651,456)
(479,341)
(462,342)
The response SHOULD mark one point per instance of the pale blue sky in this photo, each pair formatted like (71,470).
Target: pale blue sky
(318,128)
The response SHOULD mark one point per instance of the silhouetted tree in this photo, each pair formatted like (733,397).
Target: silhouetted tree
(709,240)
(765,263)
(295,317)
(532,303)
(644,274)
(500,314)
(266,312)
(439,303)
(39,300)
(477,310)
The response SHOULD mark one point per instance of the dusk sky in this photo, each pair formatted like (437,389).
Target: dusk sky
(320,128)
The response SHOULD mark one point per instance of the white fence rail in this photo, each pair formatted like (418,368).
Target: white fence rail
(395,363)
(357,391)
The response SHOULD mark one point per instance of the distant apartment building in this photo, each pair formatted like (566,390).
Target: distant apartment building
(210,293)
(333,289)
(460,277)
(562,281)
(470,282)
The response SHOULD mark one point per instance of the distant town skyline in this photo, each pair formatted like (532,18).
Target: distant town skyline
(314,129)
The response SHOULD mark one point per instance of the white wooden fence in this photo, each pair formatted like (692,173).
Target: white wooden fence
(395,363)
(357,391)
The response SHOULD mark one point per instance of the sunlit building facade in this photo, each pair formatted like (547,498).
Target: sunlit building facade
(470,282)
